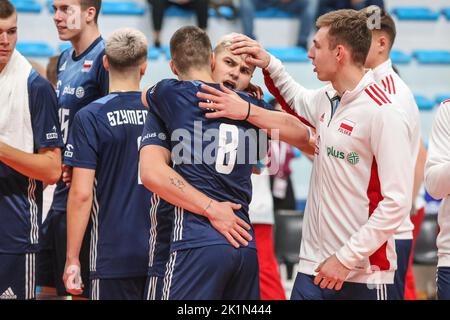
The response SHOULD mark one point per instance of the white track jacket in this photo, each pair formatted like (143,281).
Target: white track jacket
(388,79)
(437,178)
(361,185)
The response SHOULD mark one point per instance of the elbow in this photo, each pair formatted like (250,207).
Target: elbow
(150,179)
(53,175)
(432,186)
(80,196)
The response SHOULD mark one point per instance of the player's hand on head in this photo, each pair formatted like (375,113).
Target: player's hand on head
(72,277)
(331,274)
(224,103)
(257,55)
(67,174)
(222,217)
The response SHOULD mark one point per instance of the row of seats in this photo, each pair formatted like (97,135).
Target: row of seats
(288,232)
(138,9)
(285,54)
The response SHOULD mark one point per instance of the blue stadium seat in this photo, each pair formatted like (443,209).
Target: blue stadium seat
(35,49)
(65,45)
(225,12)
(272,13)
(289,54)
(432,56)
(166,52)
(130,8)
(174,11)
(424,103)
(442,97)
(415,13)
(27,6)
(400,57)
(153,53)
(446,13)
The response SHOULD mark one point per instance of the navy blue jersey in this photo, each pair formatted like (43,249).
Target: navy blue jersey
(81,80)
(20,196)
(105,137)
(161,216)
(215,156)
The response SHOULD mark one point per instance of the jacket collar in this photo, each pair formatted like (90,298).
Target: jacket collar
(349,96)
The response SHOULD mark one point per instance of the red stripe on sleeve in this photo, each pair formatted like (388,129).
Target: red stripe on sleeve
(393,84)
(284,105)
(378,94)
(382,92)
(372,96)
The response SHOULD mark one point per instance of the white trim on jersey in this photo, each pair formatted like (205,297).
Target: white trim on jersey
(153,228)
(381,292)
(95,290)
(94,231)
(30,271)
(34,231)
(178,230)
(152,287)
(168,276)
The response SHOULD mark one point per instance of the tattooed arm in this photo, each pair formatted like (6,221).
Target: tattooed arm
(159,177)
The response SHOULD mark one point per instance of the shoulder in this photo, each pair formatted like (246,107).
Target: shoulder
(38,83)
(164,86)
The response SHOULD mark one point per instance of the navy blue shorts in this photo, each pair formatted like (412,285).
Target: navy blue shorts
(217,272)
(52,257)
(118,289)
(403,250)
(17,276)
(443,283)
(305,289)
(154,288)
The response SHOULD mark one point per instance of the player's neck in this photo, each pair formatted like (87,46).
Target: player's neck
(123,84)
(2,66)
(199,74)
(348,78)
(379,61)
(85,39)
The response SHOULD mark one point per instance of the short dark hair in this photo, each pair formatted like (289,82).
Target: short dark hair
(388,26)
(348,27)
(97,4)
(7,9)
(190,47)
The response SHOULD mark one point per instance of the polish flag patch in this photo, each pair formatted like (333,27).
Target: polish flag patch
(346,127)
(87,65)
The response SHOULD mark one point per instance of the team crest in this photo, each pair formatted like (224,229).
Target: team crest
(87,65)
(346,127)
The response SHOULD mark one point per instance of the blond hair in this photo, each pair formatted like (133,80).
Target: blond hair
(126,48)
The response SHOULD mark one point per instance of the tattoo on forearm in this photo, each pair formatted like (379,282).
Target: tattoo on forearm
(177,183)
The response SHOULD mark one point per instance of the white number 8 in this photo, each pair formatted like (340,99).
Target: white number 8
(227,148)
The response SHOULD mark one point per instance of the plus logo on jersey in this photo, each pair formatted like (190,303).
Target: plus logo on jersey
(87,65)
(346,127)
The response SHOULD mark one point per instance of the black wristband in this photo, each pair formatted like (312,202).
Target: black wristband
(248,112)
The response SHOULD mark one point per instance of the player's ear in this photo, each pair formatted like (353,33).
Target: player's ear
(105,63)
(91,12)
(383,43)
(213,61)
(143,68)
(173,67)
(340,53)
